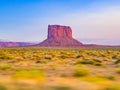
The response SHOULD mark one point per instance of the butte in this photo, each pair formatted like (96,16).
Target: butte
(59,36)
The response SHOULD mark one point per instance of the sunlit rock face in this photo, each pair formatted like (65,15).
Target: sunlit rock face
(60,36)
(57,31)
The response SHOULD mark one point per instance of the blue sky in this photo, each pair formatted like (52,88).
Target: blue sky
(92,21)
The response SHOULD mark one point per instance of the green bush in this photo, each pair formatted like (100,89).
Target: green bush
(85,62)
(118,61)
(6,56)
(109,77)
(113,87)
(29,74)
(97,64)
(80,72)
(91,62)
(5,67)
(78,56)
(2,87)
(118,70)
(96,80)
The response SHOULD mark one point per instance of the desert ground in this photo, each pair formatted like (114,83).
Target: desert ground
(35,68)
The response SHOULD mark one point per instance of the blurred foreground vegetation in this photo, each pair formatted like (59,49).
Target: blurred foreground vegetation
(59,69)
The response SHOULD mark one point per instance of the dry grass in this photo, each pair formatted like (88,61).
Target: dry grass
(59,69)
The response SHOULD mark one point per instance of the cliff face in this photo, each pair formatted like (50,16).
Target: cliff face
(59,36)
(57,31)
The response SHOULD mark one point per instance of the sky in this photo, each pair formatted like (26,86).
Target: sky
(92,21)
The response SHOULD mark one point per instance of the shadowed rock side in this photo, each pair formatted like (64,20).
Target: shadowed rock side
(60,36)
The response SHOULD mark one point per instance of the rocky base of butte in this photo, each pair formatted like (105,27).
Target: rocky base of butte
(60,36)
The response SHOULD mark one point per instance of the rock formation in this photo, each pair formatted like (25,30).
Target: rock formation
(59,36)
(14,44)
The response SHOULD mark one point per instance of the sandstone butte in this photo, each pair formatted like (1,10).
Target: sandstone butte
(59,36)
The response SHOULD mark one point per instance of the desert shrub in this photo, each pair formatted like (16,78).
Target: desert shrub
(92,62)
(112,87)
(2,87)
(61,87)
(85,62)
(48,57)
(42,61)
(96,80)
(118,70)
(109,77)
(97,64)
(29,74)
(5,66)
(80,72)
(6,57)
(78,56)
(114,56)
(64,56)
(117,61)
(18,69)
(97,60)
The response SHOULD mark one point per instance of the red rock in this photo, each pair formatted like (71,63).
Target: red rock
(14,44)
(57,31)
(59,36)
